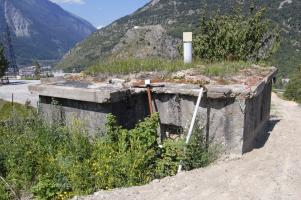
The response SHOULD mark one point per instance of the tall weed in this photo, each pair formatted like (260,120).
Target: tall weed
(58,162)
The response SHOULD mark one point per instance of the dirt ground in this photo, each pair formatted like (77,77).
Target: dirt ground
(271,172)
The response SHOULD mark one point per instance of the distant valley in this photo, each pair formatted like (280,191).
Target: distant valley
(40,29)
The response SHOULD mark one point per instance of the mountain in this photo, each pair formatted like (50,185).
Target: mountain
(41,29)
(172,17)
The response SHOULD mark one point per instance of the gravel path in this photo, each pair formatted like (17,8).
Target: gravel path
(272,172)
(20,90)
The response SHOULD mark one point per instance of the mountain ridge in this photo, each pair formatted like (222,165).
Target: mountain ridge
(41,29)
(176,16)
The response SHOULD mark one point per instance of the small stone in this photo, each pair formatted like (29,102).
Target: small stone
(116,81)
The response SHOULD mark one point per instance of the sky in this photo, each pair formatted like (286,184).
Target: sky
(101,12)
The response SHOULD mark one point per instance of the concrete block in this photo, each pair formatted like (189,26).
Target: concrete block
(232,115)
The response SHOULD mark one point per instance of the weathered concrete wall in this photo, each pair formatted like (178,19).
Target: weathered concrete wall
(222,119)
(128,111)
(257,114)
(233,115)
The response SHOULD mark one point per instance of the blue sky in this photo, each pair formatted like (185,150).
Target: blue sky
(101,12)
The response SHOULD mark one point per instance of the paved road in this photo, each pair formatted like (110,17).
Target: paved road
(20,90)
(270,173)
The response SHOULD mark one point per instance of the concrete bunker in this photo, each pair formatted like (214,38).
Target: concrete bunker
(234,114)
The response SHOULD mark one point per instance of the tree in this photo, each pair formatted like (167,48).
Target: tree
(3,62)
(38,70)
(236,37)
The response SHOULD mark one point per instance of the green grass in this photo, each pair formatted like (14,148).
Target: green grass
(6,110)
(132,65)
(30,78)
(224,68)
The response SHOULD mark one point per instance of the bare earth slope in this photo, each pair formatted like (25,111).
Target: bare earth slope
(272,172)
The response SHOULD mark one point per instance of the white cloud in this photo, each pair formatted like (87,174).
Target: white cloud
(69,1)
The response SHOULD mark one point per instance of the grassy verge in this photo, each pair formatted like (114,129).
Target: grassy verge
(132,65)
(6,110)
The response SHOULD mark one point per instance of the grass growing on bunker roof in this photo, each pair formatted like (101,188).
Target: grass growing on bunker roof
(132,65)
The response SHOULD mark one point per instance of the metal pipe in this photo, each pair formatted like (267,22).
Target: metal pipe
(187,52)
(187,47)
(192,124)
(149,95)
(147,83)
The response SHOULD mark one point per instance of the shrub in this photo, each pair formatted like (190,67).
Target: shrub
(46,188)
(235,37)
(48,160)
(126,157)
(198,152)
(57,162)
(293,89)
(4,194)
(172,153)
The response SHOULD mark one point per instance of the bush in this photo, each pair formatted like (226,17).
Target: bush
(4,194)
(172,153)
(46,188)
(57,162)
(293,89)
(126,157)
(195,155)
(198,152)
(47,160)
(235,37)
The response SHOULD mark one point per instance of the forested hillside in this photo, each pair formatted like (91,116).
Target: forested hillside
(176,16)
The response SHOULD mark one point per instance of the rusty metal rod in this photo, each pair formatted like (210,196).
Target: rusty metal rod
(149,86)
(150,104)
